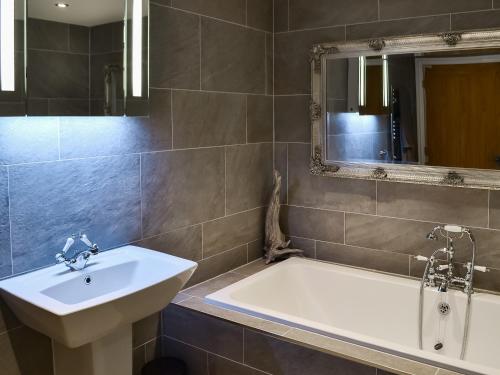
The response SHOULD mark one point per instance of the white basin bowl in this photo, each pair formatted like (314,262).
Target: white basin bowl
(117,288)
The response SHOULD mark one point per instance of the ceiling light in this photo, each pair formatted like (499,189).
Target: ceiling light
(61,5)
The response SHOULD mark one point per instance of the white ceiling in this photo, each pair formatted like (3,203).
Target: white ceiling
(79,12)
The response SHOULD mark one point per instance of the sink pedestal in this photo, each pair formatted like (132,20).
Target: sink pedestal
(110,355)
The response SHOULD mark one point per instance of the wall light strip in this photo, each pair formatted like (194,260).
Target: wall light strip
(137,48)
(7,54)
(385,81)
(362,81)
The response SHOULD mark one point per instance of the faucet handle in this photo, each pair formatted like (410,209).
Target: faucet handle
(477,268)
(85,240)
(69,242)
(421,258)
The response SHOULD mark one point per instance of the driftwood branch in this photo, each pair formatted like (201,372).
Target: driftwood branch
(276,245)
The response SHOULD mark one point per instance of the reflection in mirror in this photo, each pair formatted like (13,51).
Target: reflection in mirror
(12,90)
(76,57)
(437,109)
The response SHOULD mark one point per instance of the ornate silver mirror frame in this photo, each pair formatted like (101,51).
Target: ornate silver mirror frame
(477,178)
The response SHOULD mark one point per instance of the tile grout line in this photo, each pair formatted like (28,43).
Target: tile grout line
(140,195)
(10,222)
(200,50)
(489,202)
(172,119)
(211,17)
(387,217)
(384,20)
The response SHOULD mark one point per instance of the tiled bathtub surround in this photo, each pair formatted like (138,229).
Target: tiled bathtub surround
(191,180)
(214,340)
(377,225)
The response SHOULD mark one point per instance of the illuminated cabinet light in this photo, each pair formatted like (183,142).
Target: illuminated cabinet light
(362,81)
(137,48)
(385,82)
(7,63)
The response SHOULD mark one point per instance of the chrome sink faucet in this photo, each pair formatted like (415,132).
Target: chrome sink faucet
(79,260)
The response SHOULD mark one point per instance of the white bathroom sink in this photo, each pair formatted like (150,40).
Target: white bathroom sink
(117,288)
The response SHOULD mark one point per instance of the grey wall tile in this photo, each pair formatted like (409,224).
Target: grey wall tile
(101,38)
(146,329)
(307,14)
(280,15)
(248,176)
(260,14)
(274,356)
(488,248)
(291,58)
(68,107)
(270,64)
(230,10)
(488,280)
(5,259)
(255,250)
(79,39)
(423,25)
(292,123)
(25,351)
(304,189)
(231,231)
(259,118)
(496,3)
(184,243)
(441,204)
(232,58)
(208,119)
(308,245)
(181,188)
(397,235)
(411,8)
(175,49)
(25,140)
(221,366)
(313,223)
(47,35)
(494,211)
(476,20)
(218,264)
(51,201)
(204,332)
(281,165)
(57,75)
(195,358)
(361,257)
(102,136)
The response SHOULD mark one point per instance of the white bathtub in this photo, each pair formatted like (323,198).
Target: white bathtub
(372,309)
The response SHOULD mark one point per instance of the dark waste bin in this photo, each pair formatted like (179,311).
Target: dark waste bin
(165,366)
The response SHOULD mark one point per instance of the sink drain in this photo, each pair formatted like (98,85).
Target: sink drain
(444,308)
(87,279)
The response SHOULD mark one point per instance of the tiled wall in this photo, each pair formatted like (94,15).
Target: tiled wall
(376,225)
(190,181)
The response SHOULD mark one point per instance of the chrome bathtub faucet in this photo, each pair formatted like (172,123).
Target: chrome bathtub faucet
(443,276)
(79,260)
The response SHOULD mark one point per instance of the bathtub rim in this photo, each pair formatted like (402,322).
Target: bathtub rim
(222,299)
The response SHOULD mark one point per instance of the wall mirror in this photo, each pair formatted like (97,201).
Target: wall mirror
(421,109)
(75,57)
